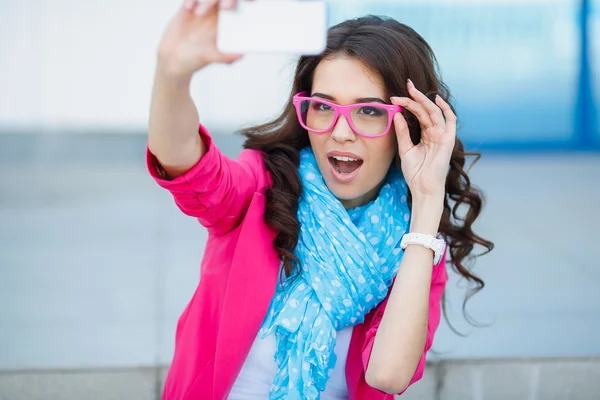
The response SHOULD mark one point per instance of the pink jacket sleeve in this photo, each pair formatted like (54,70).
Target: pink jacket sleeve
(217,190)
(438,285)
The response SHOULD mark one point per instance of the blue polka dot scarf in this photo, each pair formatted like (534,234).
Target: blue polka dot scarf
(348,261)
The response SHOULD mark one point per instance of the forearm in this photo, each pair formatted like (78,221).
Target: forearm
(173,127)
(400,339)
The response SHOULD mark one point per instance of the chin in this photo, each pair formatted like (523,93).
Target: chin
(353,193)
(347,194)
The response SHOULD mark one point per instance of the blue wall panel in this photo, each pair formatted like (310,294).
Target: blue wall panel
(514,69)
(594,60)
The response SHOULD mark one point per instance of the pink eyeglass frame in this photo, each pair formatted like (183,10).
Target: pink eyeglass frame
(345,111)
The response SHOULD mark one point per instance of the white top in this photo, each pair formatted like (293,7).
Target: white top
(259,369)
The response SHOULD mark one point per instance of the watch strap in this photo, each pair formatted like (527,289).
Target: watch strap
(428,241)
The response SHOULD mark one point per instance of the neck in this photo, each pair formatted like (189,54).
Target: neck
(364,199)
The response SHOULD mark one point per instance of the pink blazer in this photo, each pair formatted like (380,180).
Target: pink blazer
(239,272)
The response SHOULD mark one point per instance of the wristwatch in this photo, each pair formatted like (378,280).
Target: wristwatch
(428,241)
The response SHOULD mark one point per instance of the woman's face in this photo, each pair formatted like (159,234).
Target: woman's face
(343,81)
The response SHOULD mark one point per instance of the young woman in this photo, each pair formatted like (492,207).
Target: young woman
(324,270)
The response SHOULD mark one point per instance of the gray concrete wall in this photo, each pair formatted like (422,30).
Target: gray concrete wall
(97,263)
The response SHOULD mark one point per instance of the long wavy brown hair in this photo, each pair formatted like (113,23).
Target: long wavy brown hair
(397,53)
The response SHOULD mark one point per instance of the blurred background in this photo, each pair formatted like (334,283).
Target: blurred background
(97,263)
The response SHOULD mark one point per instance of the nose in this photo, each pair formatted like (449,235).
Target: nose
(342,132)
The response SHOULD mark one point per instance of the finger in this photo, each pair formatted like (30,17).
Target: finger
(417,109)
(448,114)
(402,134)
(434,111)
(229,58)
(189,4)
(205,7)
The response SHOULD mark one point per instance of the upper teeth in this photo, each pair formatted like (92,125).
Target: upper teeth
(340,158)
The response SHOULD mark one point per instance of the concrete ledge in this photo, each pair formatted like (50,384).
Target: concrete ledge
(576,379)
(572,379)
(130,384)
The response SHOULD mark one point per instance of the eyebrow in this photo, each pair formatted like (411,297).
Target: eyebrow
(361,100)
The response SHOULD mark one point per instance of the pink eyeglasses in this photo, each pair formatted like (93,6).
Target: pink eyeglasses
(365,119)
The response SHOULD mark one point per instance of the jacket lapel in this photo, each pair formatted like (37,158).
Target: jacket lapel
(250,288)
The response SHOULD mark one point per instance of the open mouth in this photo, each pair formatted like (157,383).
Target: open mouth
(345,166)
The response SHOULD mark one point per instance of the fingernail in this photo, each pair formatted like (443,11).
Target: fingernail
(226,4)
(410,83)
(394,98)
(189,4)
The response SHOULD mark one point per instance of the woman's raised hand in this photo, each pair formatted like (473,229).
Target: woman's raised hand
(189,41)
(426,164)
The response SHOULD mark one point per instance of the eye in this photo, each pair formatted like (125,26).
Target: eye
(322,107)
(370,111)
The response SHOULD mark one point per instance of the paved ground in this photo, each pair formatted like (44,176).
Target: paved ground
(447,380)
(96,263)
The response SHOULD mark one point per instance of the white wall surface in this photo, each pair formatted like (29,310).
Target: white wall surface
(70,63)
